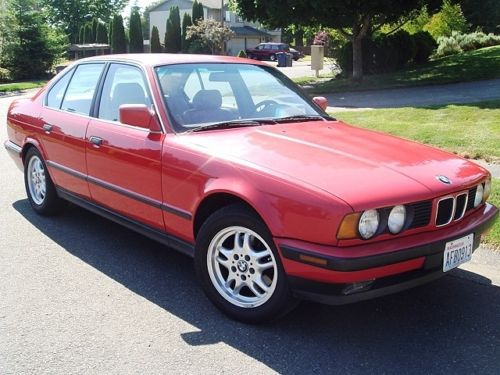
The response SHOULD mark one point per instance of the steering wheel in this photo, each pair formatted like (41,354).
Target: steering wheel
(262,106)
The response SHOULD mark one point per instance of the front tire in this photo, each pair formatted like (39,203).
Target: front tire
(239,268)
(40,189)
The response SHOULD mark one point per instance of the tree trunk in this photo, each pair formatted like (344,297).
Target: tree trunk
(357,58)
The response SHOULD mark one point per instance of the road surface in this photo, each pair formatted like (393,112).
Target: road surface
(79,294)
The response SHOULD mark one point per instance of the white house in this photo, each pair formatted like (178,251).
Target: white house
(247,34)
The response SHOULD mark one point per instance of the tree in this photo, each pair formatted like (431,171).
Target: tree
(87,34)
(484,14)
(32,46)
(81,35)
(355,19)
(95,23)
(211,34)
(197,12)
(450,18)
(135,33)
(173,38)
(186,22)
(101,34)
(110,34)
(155,40)
(118,41)
(71,14)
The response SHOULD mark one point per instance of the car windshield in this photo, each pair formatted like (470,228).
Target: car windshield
(201,95)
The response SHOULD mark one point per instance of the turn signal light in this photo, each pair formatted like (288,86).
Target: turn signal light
(349,227)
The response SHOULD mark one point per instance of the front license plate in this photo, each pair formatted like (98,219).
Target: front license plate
(457,252)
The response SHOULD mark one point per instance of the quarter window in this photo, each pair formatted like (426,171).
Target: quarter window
(56,93)
(81,89)
(124,84)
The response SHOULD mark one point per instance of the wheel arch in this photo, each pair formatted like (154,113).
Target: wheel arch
(214,202)
(29,143)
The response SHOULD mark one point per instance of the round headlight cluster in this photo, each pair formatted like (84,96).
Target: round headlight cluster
(397,219)
(368,224)
(478,198)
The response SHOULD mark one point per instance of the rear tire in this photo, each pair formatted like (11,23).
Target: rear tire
(272,57)
(40,189)
(239,268)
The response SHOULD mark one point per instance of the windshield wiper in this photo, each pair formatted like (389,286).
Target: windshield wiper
(230,124)
(300,118)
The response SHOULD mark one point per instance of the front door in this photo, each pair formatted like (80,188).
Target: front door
(124,162)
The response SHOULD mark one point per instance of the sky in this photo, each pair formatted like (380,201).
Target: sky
(141,3)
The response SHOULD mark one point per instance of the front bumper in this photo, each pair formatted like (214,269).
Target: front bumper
(316,275)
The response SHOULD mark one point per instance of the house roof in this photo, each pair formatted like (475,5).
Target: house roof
(248,31)
(211,4)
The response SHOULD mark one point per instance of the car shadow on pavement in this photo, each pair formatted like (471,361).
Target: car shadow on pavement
(449,325)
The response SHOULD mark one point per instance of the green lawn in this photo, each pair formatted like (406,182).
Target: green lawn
(470,130)
(19,86)
(475,65)
(493,238)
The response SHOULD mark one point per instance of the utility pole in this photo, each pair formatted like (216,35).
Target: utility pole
(222,23)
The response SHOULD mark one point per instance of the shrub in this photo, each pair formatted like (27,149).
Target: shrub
(450,18)
(403,47)
(4,75)
(173,35)
(458,42)
(118,40)
(424,46)
(155,40)
(186,22)
(448,46)
(388,53)
(135,33)
(242,54)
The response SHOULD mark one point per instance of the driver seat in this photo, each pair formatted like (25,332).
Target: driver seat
(207,108)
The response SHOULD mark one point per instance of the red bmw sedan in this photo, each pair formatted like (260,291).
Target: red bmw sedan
(228,161)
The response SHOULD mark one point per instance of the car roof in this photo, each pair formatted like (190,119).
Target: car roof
(156,59)
(273,43)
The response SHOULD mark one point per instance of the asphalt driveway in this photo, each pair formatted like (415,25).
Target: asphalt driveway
(466,92)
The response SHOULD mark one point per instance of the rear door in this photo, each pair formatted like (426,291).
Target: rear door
(124,162)
(65,118)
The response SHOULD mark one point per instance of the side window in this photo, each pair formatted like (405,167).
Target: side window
(56,93)
(124,84)
(275,47)
(81,89)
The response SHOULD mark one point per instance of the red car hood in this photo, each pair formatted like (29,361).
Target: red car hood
(364,168)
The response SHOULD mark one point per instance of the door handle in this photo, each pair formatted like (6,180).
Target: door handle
(47,128)
(96,141)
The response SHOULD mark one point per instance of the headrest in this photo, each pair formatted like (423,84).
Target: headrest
(129,93)
(207,99)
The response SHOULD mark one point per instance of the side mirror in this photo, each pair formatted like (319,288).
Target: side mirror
(321,101)
(139,115)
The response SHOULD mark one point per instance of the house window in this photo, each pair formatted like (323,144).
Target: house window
(227,16)
(239,19)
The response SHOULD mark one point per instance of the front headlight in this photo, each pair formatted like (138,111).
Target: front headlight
(368,224)
(478,199)
(487,189)
(397,219)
